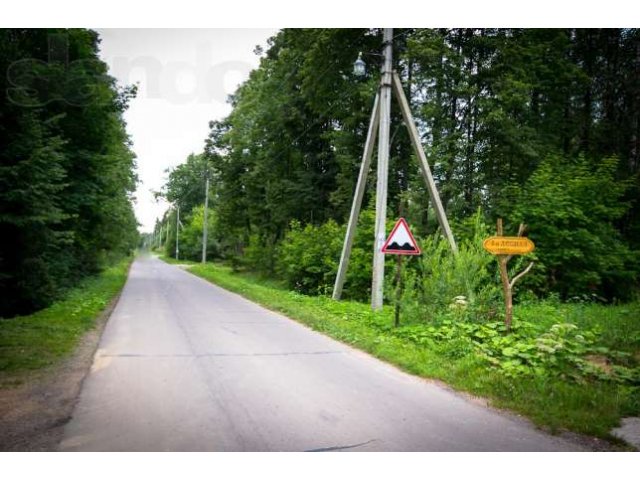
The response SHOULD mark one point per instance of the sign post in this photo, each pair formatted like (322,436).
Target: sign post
(400,243)
(504,248)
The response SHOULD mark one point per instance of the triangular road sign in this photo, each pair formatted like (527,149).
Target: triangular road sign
(400,241)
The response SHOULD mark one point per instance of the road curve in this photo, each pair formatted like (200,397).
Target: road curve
(184,365)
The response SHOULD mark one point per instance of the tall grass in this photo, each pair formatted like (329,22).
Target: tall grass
(32,342)
(441,281)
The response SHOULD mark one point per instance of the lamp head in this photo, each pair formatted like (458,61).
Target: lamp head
(359,67)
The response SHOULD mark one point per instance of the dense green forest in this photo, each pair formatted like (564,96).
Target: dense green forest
(66,167)
(532,125)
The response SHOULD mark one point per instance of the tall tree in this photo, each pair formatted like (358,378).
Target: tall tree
(66,168)
(492,105)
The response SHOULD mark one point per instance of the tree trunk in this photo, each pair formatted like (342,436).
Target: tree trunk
(507,285)
(506,288)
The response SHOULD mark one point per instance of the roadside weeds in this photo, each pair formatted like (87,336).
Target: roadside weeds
(36,404)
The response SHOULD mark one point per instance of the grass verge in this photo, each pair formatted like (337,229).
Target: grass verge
(172,260)
(32,342)
(591,408)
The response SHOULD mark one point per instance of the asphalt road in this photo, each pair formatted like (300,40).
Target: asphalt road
(186,366)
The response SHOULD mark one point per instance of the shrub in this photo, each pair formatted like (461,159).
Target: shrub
(308,256)
(563,350)
(570,207)
(464,284)
(260,254)
(192,233)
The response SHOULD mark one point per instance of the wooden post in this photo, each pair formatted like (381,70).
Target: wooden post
(357,199)
(504,276)
(507,285)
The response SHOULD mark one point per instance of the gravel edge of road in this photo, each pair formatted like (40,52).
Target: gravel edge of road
(33,414)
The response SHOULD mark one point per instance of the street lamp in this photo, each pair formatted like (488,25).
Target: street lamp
(359,67)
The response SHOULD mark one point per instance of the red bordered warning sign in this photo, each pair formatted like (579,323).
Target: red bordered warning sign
(401,241)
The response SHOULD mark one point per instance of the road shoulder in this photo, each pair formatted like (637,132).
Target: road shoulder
(33,414)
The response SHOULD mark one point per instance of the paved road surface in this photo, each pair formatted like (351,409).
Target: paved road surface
(185,365)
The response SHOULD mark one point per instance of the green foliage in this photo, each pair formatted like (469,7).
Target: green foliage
(66,169)
(35,341)
(186,183)
(260,254)
(169,226)
(563,350)
(496,106)
(571,207)
(464,283)
(192,233)
(308,257)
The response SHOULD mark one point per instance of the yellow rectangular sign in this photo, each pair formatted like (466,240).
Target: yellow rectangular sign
(508,245)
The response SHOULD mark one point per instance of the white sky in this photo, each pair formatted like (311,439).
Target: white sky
(185,76)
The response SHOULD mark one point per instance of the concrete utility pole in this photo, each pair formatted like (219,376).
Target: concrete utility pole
(357,199)
(383,172)
(204,227)
(422,161)
(177,231)
(381,119)
(166,232)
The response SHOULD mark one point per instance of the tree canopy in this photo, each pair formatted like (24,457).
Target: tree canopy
(66,167)
(509,118)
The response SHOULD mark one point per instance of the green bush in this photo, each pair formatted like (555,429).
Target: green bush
(571,207)
(260,254)
(562,350)
(357,285)
(464,284)
(192,233)
(308,258)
